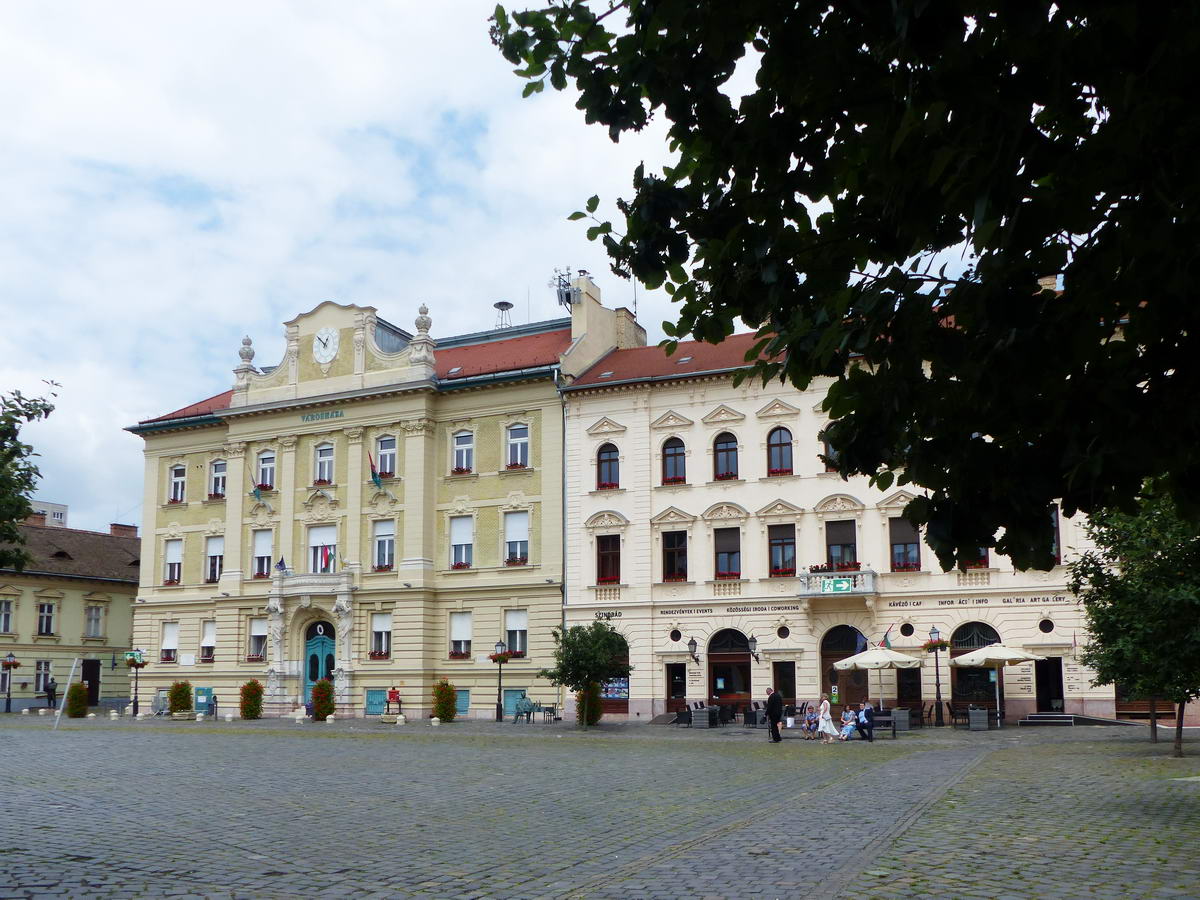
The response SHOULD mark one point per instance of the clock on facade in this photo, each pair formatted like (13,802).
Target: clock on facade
(325,345)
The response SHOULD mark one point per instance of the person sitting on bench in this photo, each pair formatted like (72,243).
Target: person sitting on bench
(866,721)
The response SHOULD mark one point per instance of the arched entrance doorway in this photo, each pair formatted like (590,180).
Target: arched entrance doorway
(848,687)
(319,659)
(974,686)
(729,669)
(614,694)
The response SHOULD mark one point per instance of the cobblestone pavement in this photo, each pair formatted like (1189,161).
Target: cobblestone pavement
(276,809)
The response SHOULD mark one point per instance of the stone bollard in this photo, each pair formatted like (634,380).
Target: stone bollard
(113,714)
(91,715)
(25,711)
(199,717)
(435,721)
(42,711)
(329,720)
(400,720)
(228,717)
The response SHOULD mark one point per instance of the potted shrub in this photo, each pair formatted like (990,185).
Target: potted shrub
(322,700)
(77,701)
(251,699)
(179,701)
(445,701)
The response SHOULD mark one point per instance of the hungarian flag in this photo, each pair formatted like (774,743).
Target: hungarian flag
(326,558)
(885,642)
(374,472)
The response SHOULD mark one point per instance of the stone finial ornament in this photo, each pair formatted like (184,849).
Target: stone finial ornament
(423,321)
(247,350)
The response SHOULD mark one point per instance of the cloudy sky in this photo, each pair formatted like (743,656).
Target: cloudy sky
(178,175)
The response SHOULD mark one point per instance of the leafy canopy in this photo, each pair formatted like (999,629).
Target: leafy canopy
(18,474)
(585,654)
(878,142)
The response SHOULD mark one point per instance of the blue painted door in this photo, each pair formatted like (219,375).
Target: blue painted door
(510,700)
(462,702)
(318,662)
(376,701)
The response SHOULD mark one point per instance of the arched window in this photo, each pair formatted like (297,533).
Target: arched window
(779,452)
(266,470)
(464,453)
(673,468)
(725,461)
(973,635)
(974,684)
(608,468)
(517,450)
(323,464)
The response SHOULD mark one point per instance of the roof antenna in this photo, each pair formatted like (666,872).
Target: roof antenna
(564,292)
(502,317)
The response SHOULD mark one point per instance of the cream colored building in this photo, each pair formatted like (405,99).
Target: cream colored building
(704,513)
(70,607)
(411,489)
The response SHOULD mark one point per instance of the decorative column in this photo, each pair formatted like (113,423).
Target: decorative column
(420,475)
(354,490)
(286,482)
(343,609)
(235,499)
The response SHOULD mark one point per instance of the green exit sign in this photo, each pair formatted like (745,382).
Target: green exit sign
(837,585)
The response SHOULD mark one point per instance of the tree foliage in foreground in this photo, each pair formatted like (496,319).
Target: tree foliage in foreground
(877,140)
(1141,592)
(18,474)
(588,655)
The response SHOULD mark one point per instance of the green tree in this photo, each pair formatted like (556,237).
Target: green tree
(445,703)
(588,655)
(18,474)
(879,186)
(1141,592)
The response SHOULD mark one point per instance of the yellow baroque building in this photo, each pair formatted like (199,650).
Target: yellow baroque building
(379,508)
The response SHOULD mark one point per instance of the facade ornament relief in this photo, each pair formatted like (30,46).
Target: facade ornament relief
(722,414)
(461,505)
(384,502)
(288,441)
(293,353)
(516,500)
(725,511)
(261,513)
(354,435)
(418,426)
(215,526)
(671,420)
(273,685)
(173,530)
(234,449)
(320,506)
(607,520)
(777,408)
(606,426)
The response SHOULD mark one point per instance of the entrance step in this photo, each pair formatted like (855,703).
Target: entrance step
(1067,719)
(664,719)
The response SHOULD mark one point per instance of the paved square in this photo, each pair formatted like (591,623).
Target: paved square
(274,809)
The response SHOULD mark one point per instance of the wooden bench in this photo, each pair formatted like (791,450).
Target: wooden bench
(885,723)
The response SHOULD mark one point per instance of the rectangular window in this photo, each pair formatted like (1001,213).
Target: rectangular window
(216,484)
(324,465)
(322,549)
(464,452)
(460,635)
(262,552)
(94,622)
(172,561)
(214,558)
(4,681)
(518,447)
(45,618)
(516,538)
(381,635)
(462,542)
(516,631)
(266,471)
(982,561)
(5,617)
(727,545)
(41,674)
(674,555)
(841,546)
(906,545)
(608,559)
(170,642)
(829,454)
(387,457)
(208,641)
(385,545)
(257,649)
(781,540)
(178,484)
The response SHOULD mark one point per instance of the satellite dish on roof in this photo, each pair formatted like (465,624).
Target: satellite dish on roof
(502,317)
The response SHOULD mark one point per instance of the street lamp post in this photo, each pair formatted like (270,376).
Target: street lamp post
(935,635)
(9,668)
(501,649)
(136,669)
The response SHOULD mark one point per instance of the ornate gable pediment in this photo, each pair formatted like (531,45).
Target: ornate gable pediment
(777,408)
(672,515)
(606,426)
(7,590)
(780,508)
(896,501)
(606,519)
(725,512)
(723,415)
(671,420)
(838,503)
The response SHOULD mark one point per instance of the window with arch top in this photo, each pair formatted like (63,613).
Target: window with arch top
(674,469)
(608,468)
(725,457)
(517,446)
(464,452)
(779,452)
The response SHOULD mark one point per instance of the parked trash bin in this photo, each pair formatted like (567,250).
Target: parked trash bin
(900,717)
(977,719)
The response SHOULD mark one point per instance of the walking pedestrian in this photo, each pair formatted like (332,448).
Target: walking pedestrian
(774,714)
(825,727)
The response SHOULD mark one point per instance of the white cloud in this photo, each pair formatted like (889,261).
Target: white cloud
(178,175)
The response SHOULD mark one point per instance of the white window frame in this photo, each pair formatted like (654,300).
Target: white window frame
(6,613)
(516,630)
(172,569)
(218,471)
(381,638)
(460,623)
(177,484)
(385,458)
(515,547)
(516,451)
(262,562)
(323,464)
(266,470)
(41,674)
(316,565)
(214,563)
(168,648)
(383,545)
(45,614)
(93,620)
(462,554)
(257,645)
(208,633)
(462,446)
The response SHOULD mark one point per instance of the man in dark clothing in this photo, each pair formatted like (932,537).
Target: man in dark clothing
(866,721)
(51,692)
(774,714)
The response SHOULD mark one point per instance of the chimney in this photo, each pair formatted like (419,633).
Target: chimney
(37,518)
(122,530)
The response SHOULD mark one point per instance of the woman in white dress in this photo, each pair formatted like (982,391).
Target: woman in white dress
(825,726)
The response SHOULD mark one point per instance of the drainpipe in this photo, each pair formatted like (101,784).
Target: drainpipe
(562,587)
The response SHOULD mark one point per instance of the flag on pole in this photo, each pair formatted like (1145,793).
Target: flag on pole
(885,642)
(861,643)
(281,566)
(254,489)
(374,472)
(1074,645)
(326,558)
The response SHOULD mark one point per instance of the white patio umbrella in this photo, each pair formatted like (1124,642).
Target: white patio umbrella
(995,656)
(879,658)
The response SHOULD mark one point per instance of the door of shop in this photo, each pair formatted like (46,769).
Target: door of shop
(843,687)
(1048,683)
(91,677)
(676,687)
(729,670)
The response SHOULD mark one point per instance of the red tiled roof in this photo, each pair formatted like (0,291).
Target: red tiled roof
(653,362)
(203,408)
(489,357)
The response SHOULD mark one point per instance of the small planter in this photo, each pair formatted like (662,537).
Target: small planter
(321,482)
(381,568)
(265,487)
(775,473)
(725,476)
(516,561)
(674,479)
(216,496)
(461,470)
(461,565)
(514,466)
(608,486)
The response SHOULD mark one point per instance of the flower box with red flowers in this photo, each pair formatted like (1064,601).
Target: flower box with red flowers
(211,657)
(210,580)
(504,657)
(132,663)
(461,470)
(255,657)
(608,579)
(725,476)
(516,561)
(976,564)
(669,578)
(847,567)
(386,568)
(775,472)
(727,576)
(261,575)
(461,565)
(174,500)
(320,482)
(783,572)
(386,474)
(940,644)
(265,487)
(906,567)
(171,582)
(607,485)
(516,654)
(460,654)
(10,665)
(216,496)
(379,654)
(674,479)
(166,656)
(511,466)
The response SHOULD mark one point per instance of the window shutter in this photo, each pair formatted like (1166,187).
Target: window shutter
(839,532)
(516,526)
(460,626)
(385,528)
(215,546)
(461,532)
(258,627)
(322,535)
(170,640)
(902,531)
(516,620)
(727,540)
(262,543)
(208,635)
(381,621)
(174,551)
(781,532)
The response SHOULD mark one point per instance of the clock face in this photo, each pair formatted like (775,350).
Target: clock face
(325,345)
